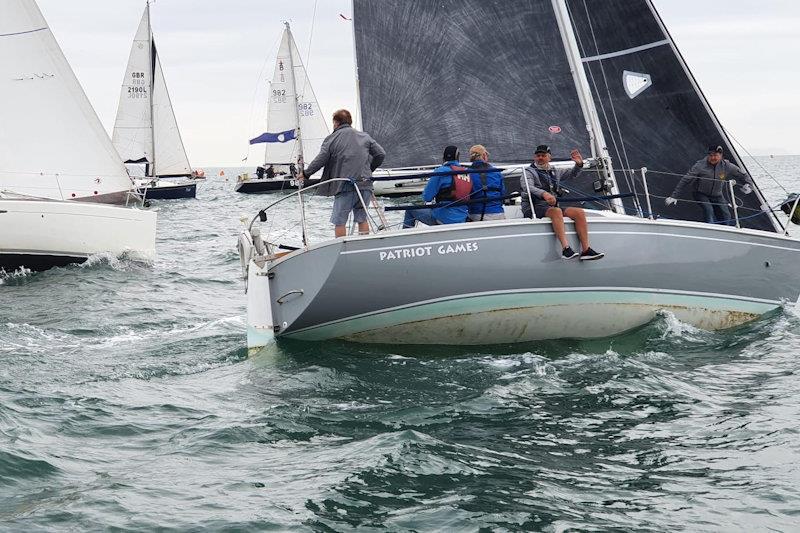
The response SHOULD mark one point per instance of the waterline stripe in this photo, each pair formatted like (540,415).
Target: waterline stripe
(549,290)
(626,52)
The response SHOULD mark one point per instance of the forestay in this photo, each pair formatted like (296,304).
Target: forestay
(52,143)
(293,111)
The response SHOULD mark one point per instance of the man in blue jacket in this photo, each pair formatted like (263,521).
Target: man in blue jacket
(486,185)
(454,212)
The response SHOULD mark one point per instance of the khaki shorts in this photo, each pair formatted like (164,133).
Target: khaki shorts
(348,201)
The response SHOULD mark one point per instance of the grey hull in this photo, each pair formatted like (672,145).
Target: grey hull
(486,283)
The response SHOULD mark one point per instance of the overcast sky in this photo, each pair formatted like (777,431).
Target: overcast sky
(217,57)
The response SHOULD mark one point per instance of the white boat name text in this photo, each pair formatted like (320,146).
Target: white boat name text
(425,251)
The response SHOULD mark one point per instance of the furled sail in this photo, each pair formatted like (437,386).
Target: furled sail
(652,111)
(52,144)
(465,72)
(146,130)
(497,72)
(293,110)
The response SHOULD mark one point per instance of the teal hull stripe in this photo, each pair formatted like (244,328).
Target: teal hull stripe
(494,302)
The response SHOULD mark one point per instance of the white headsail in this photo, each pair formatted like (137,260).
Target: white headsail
(52,143)
(145,130)
(293,111)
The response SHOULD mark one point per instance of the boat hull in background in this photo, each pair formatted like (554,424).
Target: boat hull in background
(41,234)
(167,190)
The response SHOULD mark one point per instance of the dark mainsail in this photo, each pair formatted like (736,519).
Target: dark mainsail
(651,110)
(464,72)
(436,72)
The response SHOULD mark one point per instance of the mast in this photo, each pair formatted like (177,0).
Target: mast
(299,136)
(151,47)
(355,66)
(596,137)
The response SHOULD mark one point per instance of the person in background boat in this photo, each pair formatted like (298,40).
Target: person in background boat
(260,172)
(544,183)
(444,189)
(270,172)
(485,185)
(346,153)
(707,181)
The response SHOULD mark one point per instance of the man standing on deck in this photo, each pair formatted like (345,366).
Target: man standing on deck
(706,180)
(543,182)
(446,188)
(352,154)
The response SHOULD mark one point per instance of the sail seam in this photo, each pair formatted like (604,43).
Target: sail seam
(22,32)
(626,51)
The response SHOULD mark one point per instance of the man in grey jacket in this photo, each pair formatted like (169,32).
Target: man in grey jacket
(541,184)
(352,154)
(707,181)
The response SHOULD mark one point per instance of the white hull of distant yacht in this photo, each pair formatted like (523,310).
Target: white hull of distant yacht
(39,234)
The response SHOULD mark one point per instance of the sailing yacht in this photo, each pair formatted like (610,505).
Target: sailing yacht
(146,133)
(295,125)
(603,77)
(57,165)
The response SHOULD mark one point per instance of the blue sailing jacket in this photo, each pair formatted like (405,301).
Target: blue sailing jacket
(445,215)
(493,183)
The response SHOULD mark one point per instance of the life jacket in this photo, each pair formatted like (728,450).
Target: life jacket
(459,189)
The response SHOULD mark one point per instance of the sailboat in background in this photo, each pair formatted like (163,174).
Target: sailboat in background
(295,125)
(146,132)
(605,77)
(57,164)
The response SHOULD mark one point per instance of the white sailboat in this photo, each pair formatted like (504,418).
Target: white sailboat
(53,150)
(295,125)
(146,131)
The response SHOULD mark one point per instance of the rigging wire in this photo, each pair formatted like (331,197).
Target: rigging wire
(599,100)
(756,161)
(632,183)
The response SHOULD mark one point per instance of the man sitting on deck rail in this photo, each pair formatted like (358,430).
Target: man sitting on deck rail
(447,189)
(347,153)
(706,180)
(486,185)
(544,182)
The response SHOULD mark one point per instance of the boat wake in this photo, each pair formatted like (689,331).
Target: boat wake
(120,263)
(18,274)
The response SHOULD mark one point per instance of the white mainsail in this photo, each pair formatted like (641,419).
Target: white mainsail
(146,130)
(293,107)
(52,144)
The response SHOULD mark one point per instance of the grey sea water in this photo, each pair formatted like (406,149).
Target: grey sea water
(128,403)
